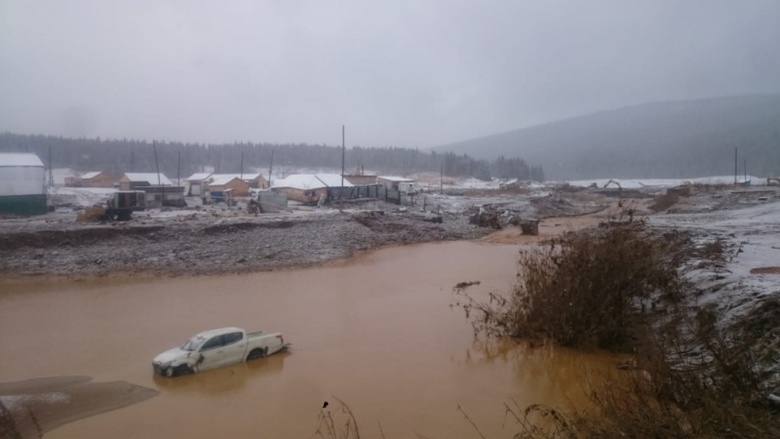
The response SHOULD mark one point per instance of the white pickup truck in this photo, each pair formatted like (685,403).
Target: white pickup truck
(216,348)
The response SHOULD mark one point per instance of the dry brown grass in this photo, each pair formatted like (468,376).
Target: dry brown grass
(765,270)
(712,393)
(664,202)
(691,379)
(582,289)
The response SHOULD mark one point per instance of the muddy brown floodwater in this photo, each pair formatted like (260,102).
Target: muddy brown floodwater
(376,331)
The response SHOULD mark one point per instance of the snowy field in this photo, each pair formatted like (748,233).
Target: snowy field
(750,275)
(79,196)
(665,182)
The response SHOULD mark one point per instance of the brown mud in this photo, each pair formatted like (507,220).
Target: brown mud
(31,408)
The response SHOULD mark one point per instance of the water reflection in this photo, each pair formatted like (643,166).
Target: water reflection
(546,368)
(223,381)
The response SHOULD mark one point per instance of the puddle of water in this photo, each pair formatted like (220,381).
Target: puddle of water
(376,331)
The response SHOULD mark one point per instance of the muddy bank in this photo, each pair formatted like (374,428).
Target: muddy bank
(217,239)
(230,245)
(31,408)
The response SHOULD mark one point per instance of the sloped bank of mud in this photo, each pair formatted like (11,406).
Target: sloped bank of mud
(30,408)
(225,246)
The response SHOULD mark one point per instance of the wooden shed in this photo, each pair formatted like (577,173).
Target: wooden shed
(255,181)
(131,181)
(223,182)
(309,188)
(97,179)
(360,179)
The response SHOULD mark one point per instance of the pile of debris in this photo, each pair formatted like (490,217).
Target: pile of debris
(498,218)
(486,218)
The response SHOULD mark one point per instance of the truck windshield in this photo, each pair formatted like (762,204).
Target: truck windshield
(193,344)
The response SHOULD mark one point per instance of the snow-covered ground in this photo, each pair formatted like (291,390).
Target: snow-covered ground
(754,233)
(752,241)
(79,196)
(664,182)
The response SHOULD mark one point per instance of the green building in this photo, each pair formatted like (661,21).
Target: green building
(22,184)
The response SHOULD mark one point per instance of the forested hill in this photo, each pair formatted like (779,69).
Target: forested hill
(120,156)
(664,140)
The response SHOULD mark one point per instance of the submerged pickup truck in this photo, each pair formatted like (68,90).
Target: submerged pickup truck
(217,348)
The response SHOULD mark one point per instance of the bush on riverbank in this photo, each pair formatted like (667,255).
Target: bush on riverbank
(691,381)
(584,289)
(690,378)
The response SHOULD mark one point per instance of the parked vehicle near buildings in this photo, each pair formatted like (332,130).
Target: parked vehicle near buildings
(217,348)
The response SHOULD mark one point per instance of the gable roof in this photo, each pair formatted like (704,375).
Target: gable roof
(89,175)
(245,176)
(149,177)
(395,179)
(20,159)
(222,179)
(311,181)
(198,176)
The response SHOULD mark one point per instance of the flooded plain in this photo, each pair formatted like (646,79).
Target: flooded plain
(377,331)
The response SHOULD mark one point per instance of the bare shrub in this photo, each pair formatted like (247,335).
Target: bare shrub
(342,426)
(8,427)
(694,381)
(665,201)
(582,288)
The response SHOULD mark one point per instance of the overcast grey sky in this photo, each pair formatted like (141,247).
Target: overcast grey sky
(407,73)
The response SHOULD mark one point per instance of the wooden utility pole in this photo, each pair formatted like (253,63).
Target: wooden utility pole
(178,169)
(441,179)
(51,175)
(735,165)
(156,163)
(242,166)
(744,167)
(271,168)
(343,156)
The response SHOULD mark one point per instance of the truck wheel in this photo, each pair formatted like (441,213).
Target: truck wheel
(182,369)
(179,370)
(256,353)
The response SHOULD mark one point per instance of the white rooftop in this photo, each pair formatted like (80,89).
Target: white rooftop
(220,179)
(311,181)
(198,176)
(89,175)
(20,159)
(245,176)
(149,177)
(395,179)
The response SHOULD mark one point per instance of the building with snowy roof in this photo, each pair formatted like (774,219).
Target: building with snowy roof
(401,184)
(195,184)
(96,179)
(22,184)
(228,182)
(309,188)
(131,181)
(159,190)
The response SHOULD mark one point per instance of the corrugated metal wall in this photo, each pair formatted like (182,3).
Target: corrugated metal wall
(22,180)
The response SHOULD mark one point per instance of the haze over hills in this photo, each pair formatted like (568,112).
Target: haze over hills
(675,139)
